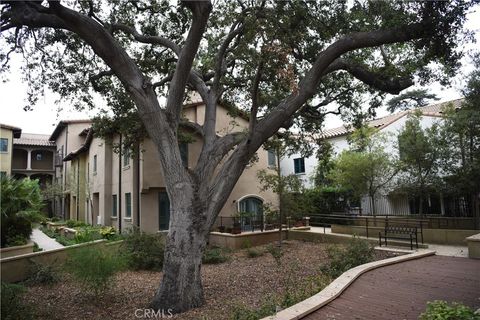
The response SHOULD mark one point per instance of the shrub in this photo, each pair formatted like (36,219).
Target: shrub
(253,252)
(441,310)
(246,244)
(276,252)
(357,252)
(36,248)
(108,233)
(242,312)
(94,267)
(75,223)
(87,234)
(42,274)
(50,233)
(143,251)
(12,306)
(214,255)
(21,204)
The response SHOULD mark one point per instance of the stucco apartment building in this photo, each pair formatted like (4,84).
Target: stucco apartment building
(388,202)
(103,187)
(7,134)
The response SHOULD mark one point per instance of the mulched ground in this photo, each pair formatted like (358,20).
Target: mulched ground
(241,280)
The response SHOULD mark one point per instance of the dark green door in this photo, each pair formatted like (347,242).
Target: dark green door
(163,211)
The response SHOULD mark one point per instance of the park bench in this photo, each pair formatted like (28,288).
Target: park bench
(399,233)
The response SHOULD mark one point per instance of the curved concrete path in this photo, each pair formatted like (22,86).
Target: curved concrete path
(44,241)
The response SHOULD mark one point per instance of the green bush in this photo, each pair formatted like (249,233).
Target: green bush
(75,223)
(36,248)
(94,267)
(276,252)
(21,205)
(441,310)
(108,233)
(143,251)
(12,306)
(242,312)
(214,255)
(50,233)
(357,252)
(87,234)
(42,274)
(253,252)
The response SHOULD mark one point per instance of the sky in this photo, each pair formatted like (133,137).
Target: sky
(45,115)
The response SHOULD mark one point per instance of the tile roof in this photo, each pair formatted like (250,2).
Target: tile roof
(33,139)
(434,110)
(62,124)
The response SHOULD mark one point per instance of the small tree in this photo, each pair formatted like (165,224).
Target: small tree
(420,157)
(281,185)
(21,204)
(366,167)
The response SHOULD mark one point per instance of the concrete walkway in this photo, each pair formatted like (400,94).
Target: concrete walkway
(44,241)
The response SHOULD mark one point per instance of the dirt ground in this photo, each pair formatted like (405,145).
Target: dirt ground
(241,280)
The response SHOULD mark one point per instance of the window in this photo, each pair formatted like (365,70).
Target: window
(272,160)
(184,153)
(126,157)
(3,174)
(114,205)
(299,165)
(128,205)
(3,145)
(39,156)
(94,163)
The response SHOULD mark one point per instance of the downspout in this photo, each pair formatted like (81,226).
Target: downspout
(120,187)
(138,186)
(78,186)
(65,173)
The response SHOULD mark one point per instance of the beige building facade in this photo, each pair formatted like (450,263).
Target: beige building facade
(7,134)
(101,186)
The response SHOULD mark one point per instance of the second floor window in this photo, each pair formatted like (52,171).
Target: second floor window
(272,159)
(39,156)
(126,157)
(128,205)
(3,145)
(114,205)
(94,163)
(299,165)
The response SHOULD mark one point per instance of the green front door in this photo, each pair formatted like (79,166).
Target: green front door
(163,211)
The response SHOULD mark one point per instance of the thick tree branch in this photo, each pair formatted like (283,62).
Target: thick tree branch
(254,109)
(145,38)
(93,79)
(201,11)
(377,80)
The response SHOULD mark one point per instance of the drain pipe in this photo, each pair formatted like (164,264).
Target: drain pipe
(120,187)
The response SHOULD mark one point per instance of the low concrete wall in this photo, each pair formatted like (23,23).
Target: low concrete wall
(474,246)
(17,250)
(339,238)
(237,241)
(440,236)
(17,268)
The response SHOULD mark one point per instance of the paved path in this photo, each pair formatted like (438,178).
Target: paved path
(401,291)
(44,241)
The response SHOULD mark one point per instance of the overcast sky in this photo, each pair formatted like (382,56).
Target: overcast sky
(45,114)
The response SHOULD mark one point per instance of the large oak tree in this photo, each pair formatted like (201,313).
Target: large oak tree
(284,62)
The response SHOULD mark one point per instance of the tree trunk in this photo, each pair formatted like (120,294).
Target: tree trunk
(372,202)
(181,288)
